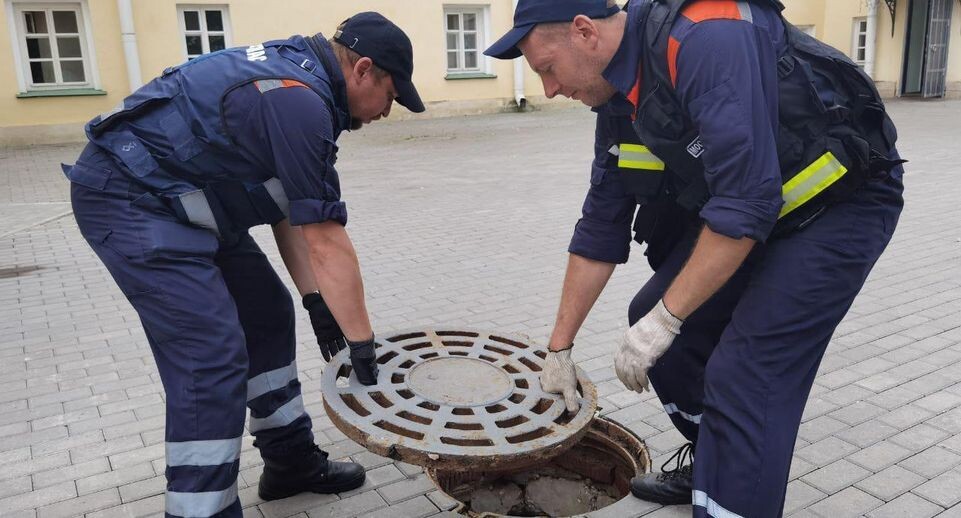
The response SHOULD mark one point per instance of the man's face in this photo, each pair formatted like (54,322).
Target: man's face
(568,63)
(370,95)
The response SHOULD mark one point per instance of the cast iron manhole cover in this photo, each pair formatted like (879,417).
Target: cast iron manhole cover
(456,399)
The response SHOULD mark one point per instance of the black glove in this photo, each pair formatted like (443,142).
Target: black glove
(363,359)
(329,336)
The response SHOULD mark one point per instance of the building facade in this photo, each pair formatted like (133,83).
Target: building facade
(63,61)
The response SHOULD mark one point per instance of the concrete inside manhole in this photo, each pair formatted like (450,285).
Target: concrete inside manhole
(592,475)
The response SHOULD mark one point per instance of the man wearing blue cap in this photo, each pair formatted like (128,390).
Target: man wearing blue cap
(760,168)
(165,193)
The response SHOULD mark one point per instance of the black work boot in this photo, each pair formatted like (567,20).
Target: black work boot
(308,471)
(671,486)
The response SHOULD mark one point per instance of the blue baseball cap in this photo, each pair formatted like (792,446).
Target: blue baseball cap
(373,36)
(532,12)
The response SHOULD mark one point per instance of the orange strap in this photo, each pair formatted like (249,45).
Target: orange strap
(699,11)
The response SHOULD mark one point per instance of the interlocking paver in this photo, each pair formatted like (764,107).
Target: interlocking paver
(890,483)
(848,503)
(480,245)
(942,490)
(836,476)
(932,461)
(906,506)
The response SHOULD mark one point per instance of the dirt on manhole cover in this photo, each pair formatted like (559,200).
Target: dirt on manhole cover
(452,398)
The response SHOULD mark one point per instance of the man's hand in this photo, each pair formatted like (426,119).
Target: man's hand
(558,377)
(363,360)
(329,336)
(643,344)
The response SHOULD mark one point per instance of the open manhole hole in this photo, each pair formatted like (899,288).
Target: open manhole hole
(594,475)
(456,399)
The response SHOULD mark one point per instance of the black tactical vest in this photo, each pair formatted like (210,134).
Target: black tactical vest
(825,152)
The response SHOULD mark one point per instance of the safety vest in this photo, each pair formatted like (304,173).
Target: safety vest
(170,134)
(825,152)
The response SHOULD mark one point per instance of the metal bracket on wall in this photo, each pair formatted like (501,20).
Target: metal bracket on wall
(892,6)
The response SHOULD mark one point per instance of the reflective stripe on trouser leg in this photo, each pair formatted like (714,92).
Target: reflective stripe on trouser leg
(283,416)
(200,505)
(761,372)
(203,453)
(672,409)
(277,417)
(700,499)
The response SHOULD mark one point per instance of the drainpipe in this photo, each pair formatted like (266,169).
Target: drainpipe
(872,36)
(130,51)
(519,96)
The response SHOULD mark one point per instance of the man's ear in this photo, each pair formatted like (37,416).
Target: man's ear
(584,30)
(363,68)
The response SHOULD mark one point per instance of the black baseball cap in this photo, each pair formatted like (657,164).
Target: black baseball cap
(373,36)
(532,12)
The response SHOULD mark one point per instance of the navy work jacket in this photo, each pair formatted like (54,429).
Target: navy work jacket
(731,56)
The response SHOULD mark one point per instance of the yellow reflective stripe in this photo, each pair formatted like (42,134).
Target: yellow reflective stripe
(634,156)
(810,182)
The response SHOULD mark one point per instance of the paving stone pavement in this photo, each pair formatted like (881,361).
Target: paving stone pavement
(465,222)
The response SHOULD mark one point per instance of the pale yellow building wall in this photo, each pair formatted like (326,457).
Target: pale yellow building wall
(834,21)
(159,43)
(17,114)
(806,12)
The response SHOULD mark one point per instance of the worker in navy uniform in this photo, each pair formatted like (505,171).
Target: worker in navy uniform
(165,193)
(760,168)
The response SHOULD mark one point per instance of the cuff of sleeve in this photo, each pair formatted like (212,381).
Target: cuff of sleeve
(737,218)
(601,242)
(304,212)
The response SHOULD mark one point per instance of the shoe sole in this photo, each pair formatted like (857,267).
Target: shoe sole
(267,495)
(661,499)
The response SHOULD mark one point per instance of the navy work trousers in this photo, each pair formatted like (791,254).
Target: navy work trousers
(736,379)
(220,324)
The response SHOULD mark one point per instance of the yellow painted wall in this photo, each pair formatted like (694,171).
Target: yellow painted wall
(422,20)
(62,110)
(835,24)
(253,21)
(806,12)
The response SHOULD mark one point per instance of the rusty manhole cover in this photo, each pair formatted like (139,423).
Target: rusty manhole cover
(456,399)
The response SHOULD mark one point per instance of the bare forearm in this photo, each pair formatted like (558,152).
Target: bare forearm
(712,263)
(296,256)
(583,283)
(337,275)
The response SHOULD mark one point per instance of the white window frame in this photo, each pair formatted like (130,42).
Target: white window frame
(856,31)
(203,32)
(482,13)
(16,27)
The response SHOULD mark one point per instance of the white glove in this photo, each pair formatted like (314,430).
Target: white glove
(558,377)
(643,344)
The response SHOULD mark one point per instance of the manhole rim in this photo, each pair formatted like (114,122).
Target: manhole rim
(407,449)
(628,505)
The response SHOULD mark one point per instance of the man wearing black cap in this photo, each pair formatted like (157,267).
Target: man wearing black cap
(760,168)
(165,193)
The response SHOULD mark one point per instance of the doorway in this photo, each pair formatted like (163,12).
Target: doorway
(926,48)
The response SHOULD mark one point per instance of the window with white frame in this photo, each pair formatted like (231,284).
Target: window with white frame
(859,44)
(466,31)
(204,28)
(53,45)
